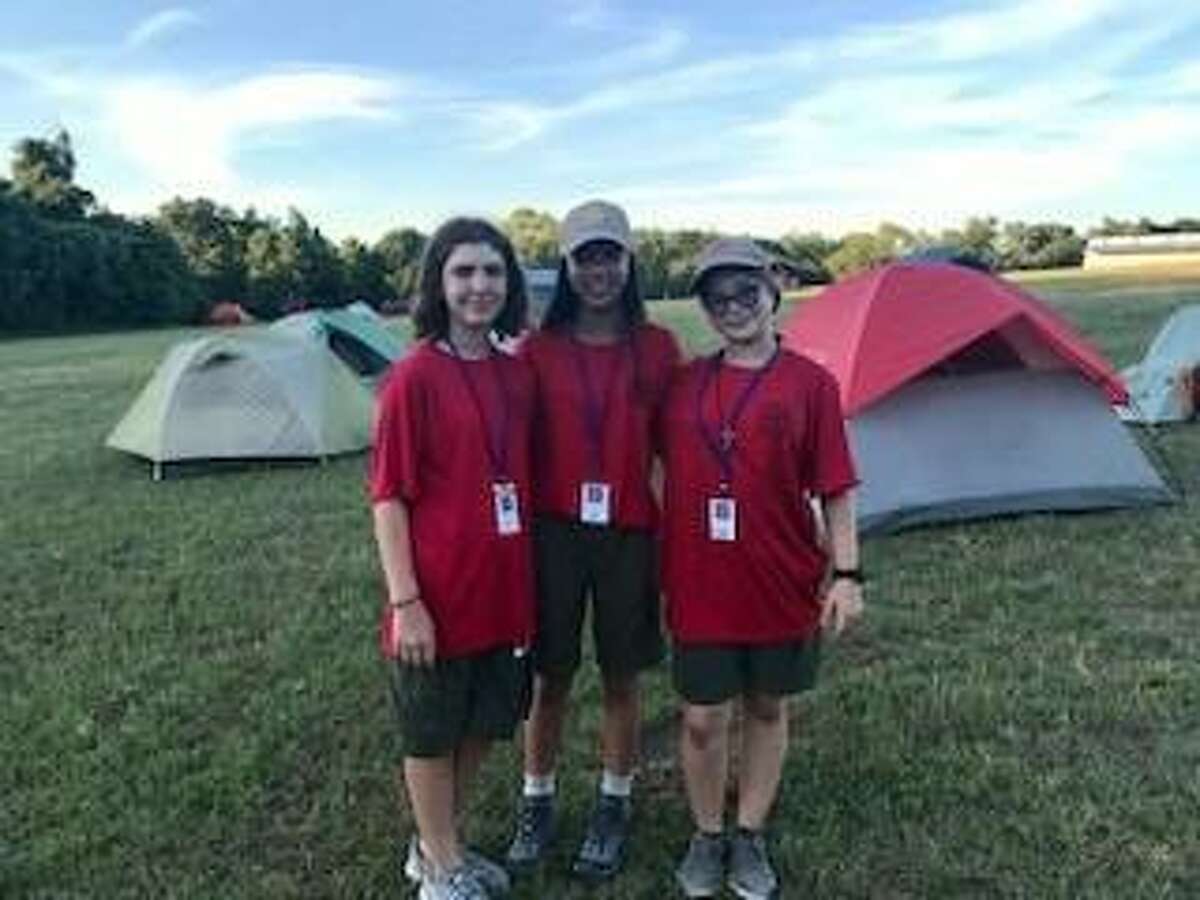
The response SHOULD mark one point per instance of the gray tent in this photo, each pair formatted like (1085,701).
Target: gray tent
(1163,386)
(242,396)
(960,447)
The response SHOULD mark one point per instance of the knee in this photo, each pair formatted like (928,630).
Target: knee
(764,710)
(552,690)
(702,728)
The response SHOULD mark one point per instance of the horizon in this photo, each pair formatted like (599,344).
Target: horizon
(817,119)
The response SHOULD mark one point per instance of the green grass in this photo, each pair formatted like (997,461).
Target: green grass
(194,707)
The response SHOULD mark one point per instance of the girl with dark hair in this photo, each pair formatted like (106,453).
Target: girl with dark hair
(601,371)
(450,488)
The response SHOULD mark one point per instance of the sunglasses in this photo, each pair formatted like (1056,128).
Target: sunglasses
(745,294)
(598,253)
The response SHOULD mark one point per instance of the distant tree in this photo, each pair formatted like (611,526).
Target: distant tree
(400,252)
(863,249)
(534,235)
(364,273)
(654,260)
(808,245)
(209,237)
(801,256)
(1044,245)
(43,172)
(270,271)
(317,275)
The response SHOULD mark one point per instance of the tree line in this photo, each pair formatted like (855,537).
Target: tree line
(67,263)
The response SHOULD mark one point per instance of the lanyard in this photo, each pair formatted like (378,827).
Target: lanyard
(497,444)
(722,443)
(595,409)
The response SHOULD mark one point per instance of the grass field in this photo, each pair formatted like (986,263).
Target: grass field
(193,706)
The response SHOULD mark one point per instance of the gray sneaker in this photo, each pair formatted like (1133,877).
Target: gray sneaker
(703,866)
(457,884)
(751,875)
(489,874)
(534,833)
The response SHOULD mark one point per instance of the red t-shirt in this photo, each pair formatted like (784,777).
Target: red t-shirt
(431,452)
(790,444)
(565,453)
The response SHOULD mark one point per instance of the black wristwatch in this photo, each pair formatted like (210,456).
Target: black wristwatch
(855,575)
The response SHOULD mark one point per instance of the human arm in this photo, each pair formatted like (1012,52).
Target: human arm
(411,633)
(842,603)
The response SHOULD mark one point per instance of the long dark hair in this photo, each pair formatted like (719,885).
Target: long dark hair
(564,308)
(432,317)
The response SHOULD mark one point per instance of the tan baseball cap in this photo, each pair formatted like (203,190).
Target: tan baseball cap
(729,253)
(596,220)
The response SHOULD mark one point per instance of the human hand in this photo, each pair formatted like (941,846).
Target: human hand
(413,639)
(841,605)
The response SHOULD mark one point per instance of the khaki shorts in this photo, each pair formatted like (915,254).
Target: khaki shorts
(618,569)
(707,674)
(482,695)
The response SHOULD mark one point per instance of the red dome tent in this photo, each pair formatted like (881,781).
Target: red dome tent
(967,397)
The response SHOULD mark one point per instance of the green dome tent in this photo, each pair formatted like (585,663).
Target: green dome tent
(1163,386)
(240,396)
(356,334)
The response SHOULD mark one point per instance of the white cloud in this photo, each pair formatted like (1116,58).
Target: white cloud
(159,25)
(186,138)
(973,35)
(660,46)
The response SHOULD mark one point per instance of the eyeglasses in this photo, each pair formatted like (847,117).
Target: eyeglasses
(746,294)
(598,253)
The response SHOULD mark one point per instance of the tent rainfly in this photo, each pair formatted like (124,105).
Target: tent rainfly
(356,334)
(968,397)
(254,396)
(1165,385)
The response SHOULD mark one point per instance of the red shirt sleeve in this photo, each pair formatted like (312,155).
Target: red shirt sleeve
(397,450)
(829,467)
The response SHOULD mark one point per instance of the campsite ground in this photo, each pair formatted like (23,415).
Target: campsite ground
(193,706)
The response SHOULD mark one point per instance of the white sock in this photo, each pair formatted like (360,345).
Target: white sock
(539,785)
(616,785)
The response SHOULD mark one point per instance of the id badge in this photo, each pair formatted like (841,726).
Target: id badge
(722,519)
(595,503)
(508,508)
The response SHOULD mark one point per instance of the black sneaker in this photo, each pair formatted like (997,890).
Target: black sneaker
(534,833)
(603,849)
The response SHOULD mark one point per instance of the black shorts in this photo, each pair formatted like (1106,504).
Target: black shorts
(618,569)
(482,695)
(707,674)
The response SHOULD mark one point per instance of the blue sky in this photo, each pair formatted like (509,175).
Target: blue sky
(763,118)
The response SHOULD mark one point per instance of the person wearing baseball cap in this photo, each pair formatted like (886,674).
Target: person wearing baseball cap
(601,372)
(751,435)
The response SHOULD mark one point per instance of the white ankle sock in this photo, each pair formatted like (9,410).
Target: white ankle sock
(616,785)
(539,785)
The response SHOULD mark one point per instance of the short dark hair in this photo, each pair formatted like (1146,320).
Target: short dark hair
(564,308)
(432,317)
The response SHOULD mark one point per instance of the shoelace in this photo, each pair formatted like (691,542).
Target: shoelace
(607,822)
(528,816)
(462,884)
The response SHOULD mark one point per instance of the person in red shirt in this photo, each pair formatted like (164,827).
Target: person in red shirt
(601,372)
(451,494)
(752,435)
